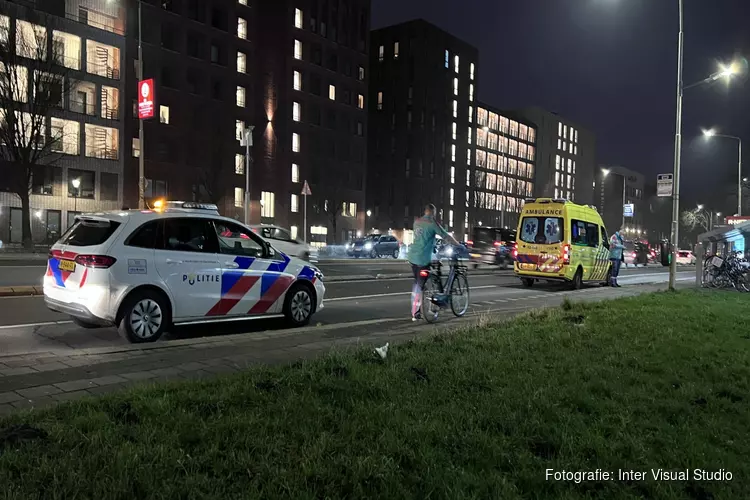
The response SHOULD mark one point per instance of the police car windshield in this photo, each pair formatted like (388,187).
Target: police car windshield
(542,230)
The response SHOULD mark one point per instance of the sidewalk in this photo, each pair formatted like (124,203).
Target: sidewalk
(42,379)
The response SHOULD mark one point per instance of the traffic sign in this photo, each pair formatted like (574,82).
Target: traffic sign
(306,189)
(628,210)
(664,185)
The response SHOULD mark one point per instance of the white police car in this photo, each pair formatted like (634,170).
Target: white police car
(144,271)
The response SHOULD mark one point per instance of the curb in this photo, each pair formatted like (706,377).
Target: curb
(20,291)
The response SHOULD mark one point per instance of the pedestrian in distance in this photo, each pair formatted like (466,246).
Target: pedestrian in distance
(616,247)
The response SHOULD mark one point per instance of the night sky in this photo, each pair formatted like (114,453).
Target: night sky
(611,66)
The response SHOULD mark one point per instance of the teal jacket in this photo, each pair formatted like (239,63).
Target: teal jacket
(425,231)
(616,245)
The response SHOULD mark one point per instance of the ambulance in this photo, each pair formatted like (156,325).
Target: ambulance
(558,240)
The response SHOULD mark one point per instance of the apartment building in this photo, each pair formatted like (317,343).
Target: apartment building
(312,100)
(565,157)
(503,168)
(82,43)
(423,89)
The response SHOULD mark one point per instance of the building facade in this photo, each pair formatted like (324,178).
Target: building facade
(566,156)
(423,90)
(82,42)
(504,167)
(615,187)
(312,100)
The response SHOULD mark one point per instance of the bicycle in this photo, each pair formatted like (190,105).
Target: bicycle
(434,296)
(730,272)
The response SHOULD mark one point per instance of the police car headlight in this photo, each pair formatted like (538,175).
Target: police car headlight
(368,246)
(449,251)
(318,274)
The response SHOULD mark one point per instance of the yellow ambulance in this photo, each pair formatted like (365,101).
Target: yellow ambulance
(558,240)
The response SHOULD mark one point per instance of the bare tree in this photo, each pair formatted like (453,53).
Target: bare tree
(692,219)
(31,89)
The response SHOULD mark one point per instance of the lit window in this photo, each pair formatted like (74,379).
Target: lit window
(576,137)
(455,109)
(381,53)
(471,92)
(454,130)
(559,129)
(241,28)
(298,18)
(453,152)
(298,50)
(295,172)
(239,164)
(65,136)
(267,203)
(471,114)
(570,148)
(468,176)
(471,71)
(395,50)
(453,175)
(380,100)
(239,129)
(361,74)
(450,218)
(297,80)
(455,63)
(295,142)
(559,143)
(136,147)
(451,199)
(164,114)
(361,101)
(469,135)
(447,59)
(296,112)
(332,92)
(575,150)
(293,231)
(238,196)
(455,86)
(66,49)
(295,203)
(241,62)
(242,2)
(565,131)
(31,40)
(240,96)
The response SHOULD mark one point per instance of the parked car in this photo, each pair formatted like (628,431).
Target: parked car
(446,251)
(685,258)
(282,240)
(492,245)
(373,246)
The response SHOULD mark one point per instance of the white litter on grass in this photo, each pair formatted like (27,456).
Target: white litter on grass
(382,351)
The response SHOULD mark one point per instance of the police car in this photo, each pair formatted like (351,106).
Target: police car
(147,270)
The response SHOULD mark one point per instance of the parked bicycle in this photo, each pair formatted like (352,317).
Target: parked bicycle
(438,295)
(730,272)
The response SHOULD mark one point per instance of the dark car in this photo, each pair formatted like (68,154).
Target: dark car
(373,246)
(447,251)
(492,245)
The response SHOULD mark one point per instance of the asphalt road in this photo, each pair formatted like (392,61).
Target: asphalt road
(27,326)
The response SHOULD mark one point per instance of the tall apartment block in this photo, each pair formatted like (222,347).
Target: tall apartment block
(423,87)
(565,157)
(81,41)
(504,167)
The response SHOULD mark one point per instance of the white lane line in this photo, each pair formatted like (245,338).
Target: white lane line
(394,294)
(45,323)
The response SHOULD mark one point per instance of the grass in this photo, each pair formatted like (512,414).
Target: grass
(657,381)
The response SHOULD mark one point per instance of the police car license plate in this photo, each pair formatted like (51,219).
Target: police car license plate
(67,265)
(475,255)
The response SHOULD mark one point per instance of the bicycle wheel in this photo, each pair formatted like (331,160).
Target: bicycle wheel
(432,287)
(460,295)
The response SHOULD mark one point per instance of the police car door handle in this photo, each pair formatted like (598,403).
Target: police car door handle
(231,265)
(172,261)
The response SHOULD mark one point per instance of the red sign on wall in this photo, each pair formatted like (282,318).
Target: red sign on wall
(146,99)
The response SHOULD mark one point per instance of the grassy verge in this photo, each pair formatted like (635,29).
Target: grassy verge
(658,381)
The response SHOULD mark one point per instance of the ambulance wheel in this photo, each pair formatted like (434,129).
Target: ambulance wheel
(577,282)
(527,282)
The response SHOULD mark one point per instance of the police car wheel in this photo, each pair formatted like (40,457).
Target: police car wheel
(298,306)
(144,317)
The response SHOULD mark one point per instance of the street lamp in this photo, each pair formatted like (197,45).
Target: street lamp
(712,133)
(76,183)
(247,141)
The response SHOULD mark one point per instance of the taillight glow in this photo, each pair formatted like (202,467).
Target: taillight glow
(566,254)
(424,273)
(470,243)
(95,261)
(515,250)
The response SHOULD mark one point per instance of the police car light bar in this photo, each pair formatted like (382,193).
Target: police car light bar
(200,206)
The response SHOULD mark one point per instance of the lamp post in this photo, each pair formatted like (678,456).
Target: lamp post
(711,133)
(368,214)
(248,143)
(76,183)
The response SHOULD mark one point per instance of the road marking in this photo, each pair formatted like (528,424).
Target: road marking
(40,266)
(374,296)
(45,323)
